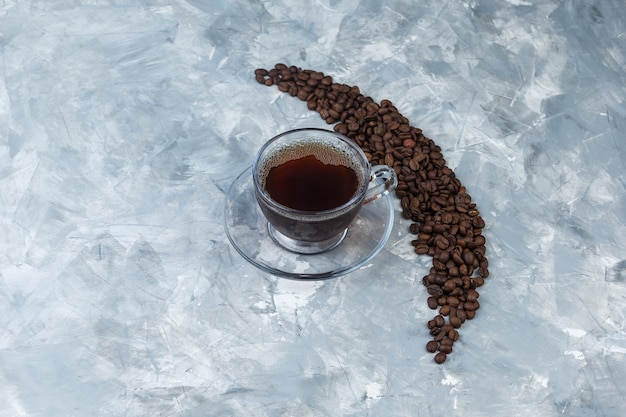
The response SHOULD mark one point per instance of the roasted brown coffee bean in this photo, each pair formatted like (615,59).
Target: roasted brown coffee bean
(439,336)
(421,249)
(468,257)
(438,265)
(483,263)
(461,315)
(472,306)
(446,341)
(439,320)
(442,242)
(453,301)
(478,222)
(440,277)
(445,348)
(435,291)
(457,258)
(440,357)
(445,310)
(432,346)
(478,241)
(453,334)
(449,285)
(432,303)
(326,81)
(443,256)
(472,295)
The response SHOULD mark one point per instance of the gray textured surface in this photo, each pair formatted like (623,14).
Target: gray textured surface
(121,127)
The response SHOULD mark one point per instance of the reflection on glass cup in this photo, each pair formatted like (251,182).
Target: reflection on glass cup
(311,183)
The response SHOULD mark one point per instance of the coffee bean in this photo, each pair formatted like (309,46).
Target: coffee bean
(432,303)
(453,334)
(432,346)
(440,277)
(446,341)
(471,296)
(439,335)
(457,258)
(445,348)
(471,306)
(455,322)
(440,357)
(435,290)
(479,240)
(437,264)
(443,256)
(445,310)
(449,285)
(421,249)
(461,315)
(453,301)
(442,242)
(478,222)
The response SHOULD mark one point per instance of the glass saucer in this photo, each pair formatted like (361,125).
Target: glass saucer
(247,230)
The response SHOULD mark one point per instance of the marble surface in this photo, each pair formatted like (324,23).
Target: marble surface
(122,125)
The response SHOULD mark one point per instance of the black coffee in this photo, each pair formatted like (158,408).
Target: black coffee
(309,184)
(311,176)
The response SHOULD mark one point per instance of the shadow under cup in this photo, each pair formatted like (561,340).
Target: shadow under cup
(314,231)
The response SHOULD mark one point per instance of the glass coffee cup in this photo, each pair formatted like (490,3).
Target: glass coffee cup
(310,185)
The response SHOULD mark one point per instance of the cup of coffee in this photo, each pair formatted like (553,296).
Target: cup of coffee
(310,185)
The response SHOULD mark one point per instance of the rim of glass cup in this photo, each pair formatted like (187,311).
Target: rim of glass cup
(303,213)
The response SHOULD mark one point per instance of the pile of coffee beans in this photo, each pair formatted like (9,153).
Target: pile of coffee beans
(447,225)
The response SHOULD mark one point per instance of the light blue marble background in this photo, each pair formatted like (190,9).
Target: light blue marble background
(122,124)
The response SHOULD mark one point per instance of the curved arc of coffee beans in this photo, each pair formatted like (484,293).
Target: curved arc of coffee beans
(447,224)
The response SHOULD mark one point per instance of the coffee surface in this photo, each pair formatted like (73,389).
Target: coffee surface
(308,184)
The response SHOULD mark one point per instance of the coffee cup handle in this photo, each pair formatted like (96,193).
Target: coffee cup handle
(383,180)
